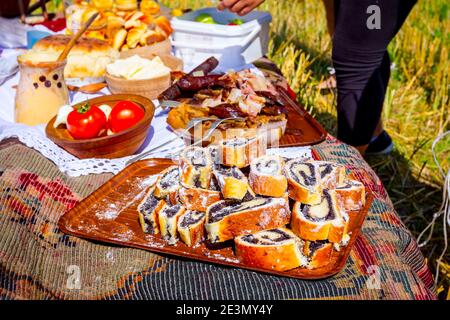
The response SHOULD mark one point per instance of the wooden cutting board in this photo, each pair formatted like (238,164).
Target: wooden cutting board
(109,215)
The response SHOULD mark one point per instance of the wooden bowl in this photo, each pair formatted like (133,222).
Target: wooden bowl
(149,88)
(118,145)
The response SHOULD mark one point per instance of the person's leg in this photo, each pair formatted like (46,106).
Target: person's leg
(329,11)
(385,72)
(329,5)
(362,65)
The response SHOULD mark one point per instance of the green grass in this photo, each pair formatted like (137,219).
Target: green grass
(416,107)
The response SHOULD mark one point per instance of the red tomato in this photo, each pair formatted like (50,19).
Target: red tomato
(124,115)
(86,122)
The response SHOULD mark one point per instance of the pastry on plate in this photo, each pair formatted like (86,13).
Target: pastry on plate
(239,152)
(168,182)
(304,184)
(191,227)
(148,211)
(277,249)
(266,176)
(351,195)
(318,253)
(232,182)
(198,199)
(168,217)
(228,219)
(196,168)
(321,221)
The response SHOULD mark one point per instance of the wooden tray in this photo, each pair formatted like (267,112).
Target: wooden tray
(109,215)
(302,129)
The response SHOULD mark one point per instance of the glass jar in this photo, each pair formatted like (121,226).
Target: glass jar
(41,91)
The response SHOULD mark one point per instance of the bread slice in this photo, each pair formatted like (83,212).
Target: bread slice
(277,249)
(266,176)
(318,253)
(148,211)
(351,195)
(322,221)
(239,152)
(196,168)
(331,174)
(168,182)
(198,199)
(228,219)
(304,184)
(135,34)
(232,182)
(119,38)
(168,217)
(191,227)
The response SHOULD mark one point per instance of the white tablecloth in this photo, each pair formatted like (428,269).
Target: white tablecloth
(34,137)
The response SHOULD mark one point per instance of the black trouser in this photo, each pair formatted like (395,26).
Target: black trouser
(362,63)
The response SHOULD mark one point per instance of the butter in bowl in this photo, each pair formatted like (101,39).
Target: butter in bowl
(147,77)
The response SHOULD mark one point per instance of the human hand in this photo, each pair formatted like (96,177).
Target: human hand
(241,7)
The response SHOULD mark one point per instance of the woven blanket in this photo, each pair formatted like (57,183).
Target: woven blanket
(38,261)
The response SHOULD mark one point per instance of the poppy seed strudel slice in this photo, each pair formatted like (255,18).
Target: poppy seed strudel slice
(266,176)
(239,152)
(195,168)
(227,219)
(322,221)
(331,174)
(168,182)
(198,199)
(148,211)
(318,253)
(303,181)
(351,195)
(277,249)
(191,227)
(168,218)
(232,182)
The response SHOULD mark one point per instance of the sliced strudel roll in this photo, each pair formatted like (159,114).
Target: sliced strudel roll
(351,195)
(266,176)
(249,195)
(304,184)
(239,152)
(168,217)
(232,182)
(215,155)
(277,249)
(168,182)
(198,199)
(191,227)
(318,222)
(318,253)
(195,168)
(148,211)
(227,219)
(331,174)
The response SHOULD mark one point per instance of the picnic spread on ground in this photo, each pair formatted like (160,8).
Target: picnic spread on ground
(164,171)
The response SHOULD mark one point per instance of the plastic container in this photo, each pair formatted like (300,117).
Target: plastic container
(234,46)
